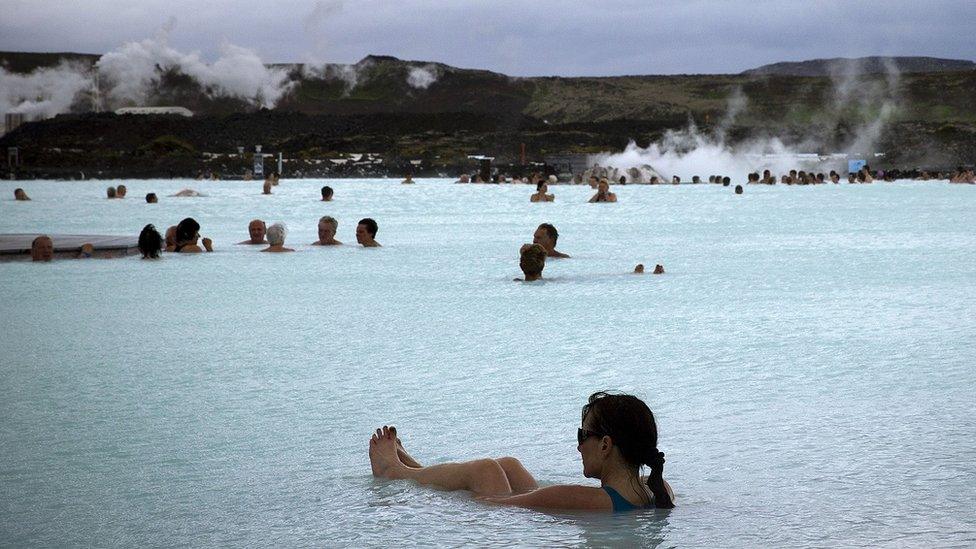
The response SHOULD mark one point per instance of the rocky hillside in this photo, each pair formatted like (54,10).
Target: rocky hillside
(863,65)
(379,106)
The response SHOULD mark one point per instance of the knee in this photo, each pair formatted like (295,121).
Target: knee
(487,464)
(509,462)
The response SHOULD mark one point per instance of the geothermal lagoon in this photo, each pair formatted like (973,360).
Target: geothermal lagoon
(808,354)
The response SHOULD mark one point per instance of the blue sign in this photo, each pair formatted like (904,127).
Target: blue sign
(854,166)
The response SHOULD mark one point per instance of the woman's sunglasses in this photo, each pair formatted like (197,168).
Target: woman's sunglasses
(583,434)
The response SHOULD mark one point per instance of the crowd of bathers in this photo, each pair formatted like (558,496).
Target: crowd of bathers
(184,237)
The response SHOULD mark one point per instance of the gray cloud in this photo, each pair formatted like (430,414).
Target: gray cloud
(518,38)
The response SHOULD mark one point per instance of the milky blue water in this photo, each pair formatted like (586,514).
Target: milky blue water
(809,356)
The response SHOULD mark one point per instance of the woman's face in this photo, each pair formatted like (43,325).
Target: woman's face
(592,452)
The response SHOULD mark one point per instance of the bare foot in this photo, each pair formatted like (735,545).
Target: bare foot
(406,458)
(383,454)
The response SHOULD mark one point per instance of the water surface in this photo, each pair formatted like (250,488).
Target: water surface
(809,355)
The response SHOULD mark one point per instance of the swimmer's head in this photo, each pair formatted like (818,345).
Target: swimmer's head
(546,235)
(327,193)
(150,242)
(257,229)
(366,230)
(327,228)
(620,430)
(120,191)
(187,230)
(19,194)
(639,269)
(532,259)
(738,189)
(541,187)
(726,180)
(603,186)
(110,192)
(151,198)
(276,234)
(42,248)
(553,179)
(695,179)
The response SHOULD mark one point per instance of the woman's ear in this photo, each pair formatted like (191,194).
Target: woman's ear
(606,444)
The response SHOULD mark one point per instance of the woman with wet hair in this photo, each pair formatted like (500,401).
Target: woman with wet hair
(150,242)
(617,437)
(187,235)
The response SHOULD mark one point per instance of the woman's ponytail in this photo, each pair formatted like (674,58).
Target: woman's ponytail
(655,481)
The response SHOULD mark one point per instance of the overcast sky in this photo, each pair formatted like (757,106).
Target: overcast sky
(515,37)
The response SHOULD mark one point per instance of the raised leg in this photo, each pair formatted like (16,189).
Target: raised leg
(519,478)
(484,477)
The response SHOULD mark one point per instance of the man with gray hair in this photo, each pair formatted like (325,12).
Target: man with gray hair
(276,239)
(327,231)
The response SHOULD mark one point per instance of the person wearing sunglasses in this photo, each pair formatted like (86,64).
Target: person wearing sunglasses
(617,437)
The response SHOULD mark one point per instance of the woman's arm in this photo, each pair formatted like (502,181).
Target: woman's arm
(558,497)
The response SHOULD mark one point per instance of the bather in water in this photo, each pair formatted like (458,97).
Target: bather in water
(617,437)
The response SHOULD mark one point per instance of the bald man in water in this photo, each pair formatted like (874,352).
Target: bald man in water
(257,229)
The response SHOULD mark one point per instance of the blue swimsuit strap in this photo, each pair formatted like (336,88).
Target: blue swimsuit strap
(619,502)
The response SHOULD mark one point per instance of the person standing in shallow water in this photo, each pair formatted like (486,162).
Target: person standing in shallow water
(617,437)
(19,194)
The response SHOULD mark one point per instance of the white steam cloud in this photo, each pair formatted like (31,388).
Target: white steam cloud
(45,92)
(131,74)
(422,77)
(868,104)
(350,75)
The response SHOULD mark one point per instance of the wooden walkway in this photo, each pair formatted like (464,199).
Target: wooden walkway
(14,247)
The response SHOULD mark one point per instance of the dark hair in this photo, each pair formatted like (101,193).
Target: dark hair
(630,424)
(371,226)
(150,198)
(551,231)
(538,186)
(326,191)
(726,180)
(187,230)
(738,189)
(150,242)
(532,259)
(111,192)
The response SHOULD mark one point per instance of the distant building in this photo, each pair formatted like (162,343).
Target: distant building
(155,110)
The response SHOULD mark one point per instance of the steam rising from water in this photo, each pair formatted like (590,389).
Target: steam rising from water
(867,104)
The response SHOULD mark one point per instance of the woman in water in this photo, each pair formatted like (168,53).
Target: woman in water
(603,193)
(541,190)
(617,436)
(150,242)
